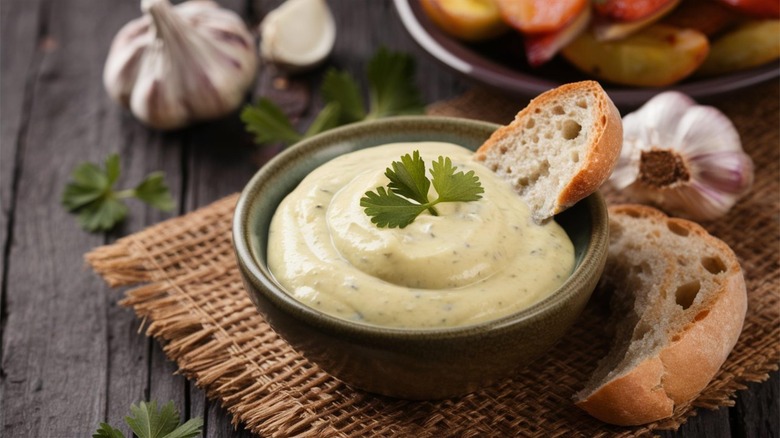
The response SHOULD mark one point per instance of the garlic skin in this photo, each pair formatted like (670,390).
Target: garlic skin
(179,64)
(685,158)
(298,35)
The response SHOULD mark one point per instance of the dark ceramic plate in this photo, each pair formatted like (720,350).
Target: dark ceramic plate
(500,64)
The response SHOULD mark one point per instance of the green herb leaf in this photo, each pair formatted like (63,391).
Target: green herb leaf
(102,215)
(190,429)
(387,209)
(454,187)
(269,124)
(89,183)
(407,178)
(408,194)
(327,118)
(112,169)
(91,195)
(341,88)
(147,421)
(106,431)
(153,191)
(76,195)
(392,92)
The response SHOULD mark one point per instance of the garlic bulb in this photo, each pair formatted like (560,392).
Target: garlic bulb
(298,35)
(179,64)
(685,158)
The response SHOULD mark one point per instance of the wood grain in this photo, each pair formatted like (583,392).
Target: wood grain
(71,357)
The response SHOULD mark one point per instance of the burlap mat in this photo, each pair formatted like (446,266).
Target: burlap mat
(192,300)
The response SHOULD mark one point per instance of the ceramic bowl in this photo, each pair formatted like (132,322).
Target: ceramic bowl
(408,363)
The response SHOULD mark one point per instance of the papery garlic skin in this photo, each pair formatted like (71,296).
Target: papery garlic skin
(685,158)
(180,64)
(298,35)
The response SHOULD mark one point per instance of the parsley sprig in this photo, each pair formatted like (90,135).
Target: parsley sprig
(147,421)
(391,92)
(91,194)
(407,196)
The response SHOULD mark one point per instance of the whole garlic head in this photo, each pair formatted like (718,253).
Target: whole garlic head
(685,158)
(180,64)
(298,35)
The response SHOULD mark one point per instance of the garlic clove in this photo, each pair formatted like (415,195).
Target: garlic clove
(704,129)
(298,35)
(684,158)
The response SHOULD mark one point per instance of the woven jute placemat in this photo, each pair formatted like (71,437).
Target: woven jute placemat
(189,294)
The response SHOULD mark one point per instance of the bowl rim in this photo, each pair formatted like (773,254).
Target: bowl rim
(263,279)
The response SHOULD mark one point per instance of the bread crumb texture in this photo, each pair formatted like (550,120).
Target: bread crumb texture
(678,305)
(553,153)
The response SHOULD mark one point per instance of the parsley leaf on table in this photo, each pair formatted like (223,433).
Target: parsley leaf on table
(408,194)
(91,194)
(339,87)
(147,421)
(106,431)
(268,123)
(391,76)
(391,92)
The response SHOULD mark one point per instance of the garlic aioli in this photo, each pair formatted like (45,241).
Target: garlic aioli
(474,262)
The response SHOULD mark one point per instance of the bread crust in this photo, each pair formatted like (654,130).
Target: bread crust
(694,353)
(603,152)
(605,141)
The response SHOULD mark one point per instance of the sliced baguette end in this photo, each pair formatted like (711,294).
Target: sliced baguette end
(559,149)
(687,345)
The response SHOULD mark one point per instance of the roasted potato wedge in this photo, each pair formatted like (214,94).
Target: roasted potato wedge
(467,20)
(749,45)
(655,56)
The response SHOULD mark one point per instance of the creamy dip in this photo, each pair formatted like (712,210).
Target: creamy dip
(474,262)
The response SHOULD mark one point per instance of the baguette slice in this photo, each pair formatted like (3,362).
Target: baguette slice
(679,300)
(559,149)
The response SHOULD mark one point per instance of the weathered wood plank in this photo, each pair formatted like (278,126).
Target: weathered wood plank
(54,350)
(19,22)
(757,410)
(217,161)
(20,61)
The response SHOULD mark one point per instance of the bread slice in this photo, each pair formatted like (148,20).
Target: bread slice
(559,149)
(679,300)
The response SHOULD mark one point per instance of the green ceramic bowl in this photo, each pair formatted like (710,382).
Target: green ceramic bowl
(408,363)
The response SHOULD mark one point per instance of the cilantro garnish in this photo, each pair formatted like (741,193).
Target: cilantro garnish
(91,194)
(407,196)
(149,422)
(391,92)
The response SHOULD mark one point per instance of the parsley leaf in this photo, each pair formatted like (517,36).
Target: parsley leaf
(269,123)
(327,118)
(391,92)
(408,194)
(387,209)
(147,421)
(407,178)
(106,431)
(392,85)
(91,194)
(340,87)
(154,192)
(454,187)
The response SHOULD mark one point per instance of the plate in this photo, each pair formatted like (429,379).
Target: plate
(501,64)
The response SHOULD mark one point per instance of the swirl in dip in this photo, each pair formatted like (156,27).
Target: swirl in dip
(474,262)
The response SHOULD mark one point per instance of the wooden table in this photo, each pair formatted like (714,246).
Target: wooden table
(71,357)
